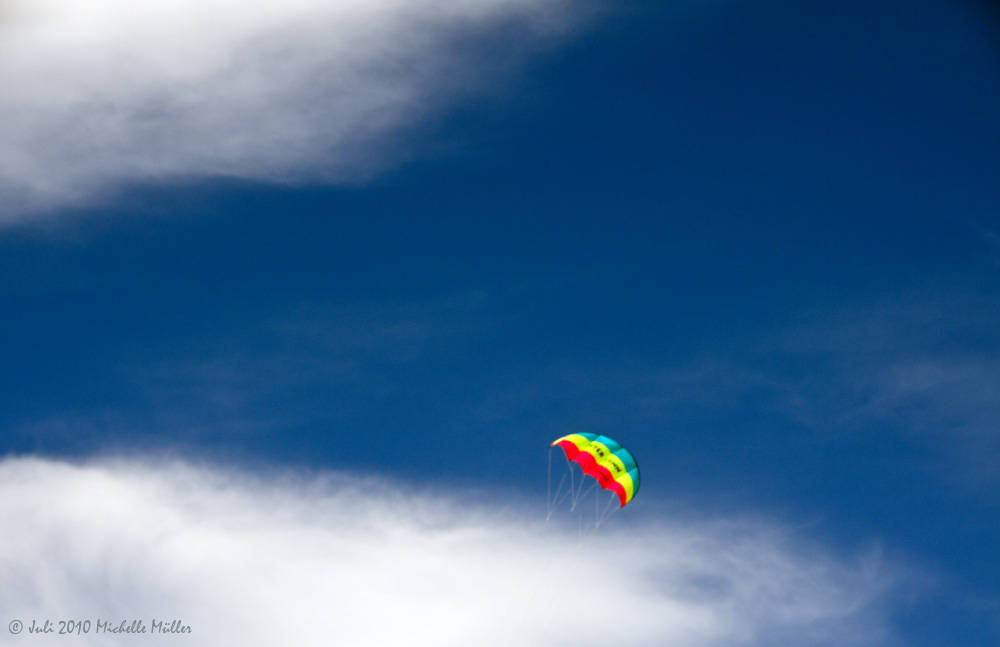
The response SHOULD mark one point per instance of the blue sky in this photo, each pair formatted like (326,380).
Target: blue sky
(757,242)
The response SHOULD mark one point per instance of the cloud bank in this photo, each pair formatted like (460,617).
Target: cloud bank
(99,94)
(277,560)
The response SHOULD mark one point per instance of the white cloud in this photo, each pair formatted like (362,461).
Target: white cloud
(278,560)
(101,93)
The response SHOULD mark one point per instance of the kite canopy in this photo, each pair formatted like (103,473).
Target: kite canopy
(604,459)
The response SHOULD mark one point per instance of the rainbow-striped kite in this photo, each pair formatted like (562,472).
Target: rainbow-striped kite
(604,459)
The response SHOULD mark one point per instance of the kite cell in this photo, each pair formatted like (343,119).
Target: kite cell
(605,460)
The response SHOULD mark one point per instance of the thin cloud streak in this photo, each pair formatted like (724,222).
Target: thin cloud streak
(101,94)
(279,559)
(924,363)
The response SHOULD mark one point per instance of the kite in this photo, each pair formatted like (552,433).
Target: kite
(604,459)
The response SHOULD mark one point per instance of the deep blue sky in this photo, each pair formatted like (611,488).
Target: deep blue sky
(756,242)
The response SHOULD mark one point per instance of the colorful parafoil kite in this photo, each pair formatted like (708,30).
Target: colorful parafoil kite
(605,460)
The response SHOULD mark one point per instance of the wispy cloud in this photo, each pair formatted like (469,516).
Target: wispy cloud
(283,559)
(99,94)
(343,355)
(919,364)
(925,362)
(316,364)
